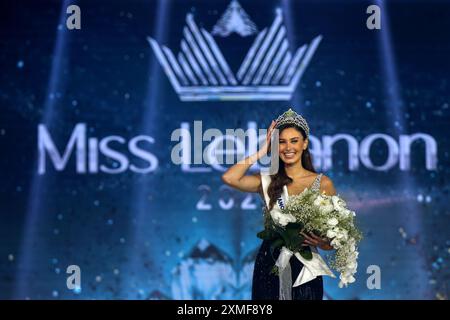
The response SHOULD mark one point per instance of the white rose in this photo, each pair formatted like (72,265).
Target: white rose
(346,279)
(332,222)
(287,218)
(351,279)
(335,243)
(338,203)
(326,209)
(331,234)
(342,235)
(352,265)
(322,201)
(281,218)
(318,201)
(344,212)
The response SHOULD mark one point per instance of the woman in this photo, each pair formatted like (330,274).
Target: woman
(296,172)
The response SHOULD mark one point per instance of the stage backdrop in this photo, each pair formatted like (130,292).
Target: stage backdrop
(104,105)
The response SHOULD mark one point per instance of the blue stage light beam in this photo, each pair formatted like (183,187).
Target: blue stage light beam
(55,85)
(286,5)
(396,121)
(141,207)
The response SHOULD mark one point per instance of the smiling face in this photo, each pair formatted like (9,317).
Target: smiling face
(292,145)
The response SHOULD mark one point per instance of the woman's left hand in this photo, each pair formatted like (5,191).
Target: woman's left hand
(313,240)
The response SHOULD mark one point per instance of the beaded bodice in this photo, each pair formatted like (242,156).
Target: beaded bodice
(315,186)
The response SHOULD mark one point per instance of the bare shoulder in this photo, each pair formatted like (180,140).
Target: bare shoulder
(327,186)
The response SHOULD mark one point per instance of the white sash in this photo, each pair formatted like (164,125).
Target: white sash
(311,268)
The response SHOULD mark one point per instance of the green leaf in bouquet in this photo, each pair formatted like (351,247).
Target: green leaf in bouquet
(298,242)
(292,236)
(306,253)
(295,226)
(276,244)
(267,234)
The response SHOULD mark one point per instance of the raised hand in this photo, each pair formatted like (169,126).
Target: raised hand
(266,148)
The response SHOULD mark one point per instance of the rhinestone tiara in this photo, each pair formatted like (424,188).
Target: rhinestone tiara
(292,117)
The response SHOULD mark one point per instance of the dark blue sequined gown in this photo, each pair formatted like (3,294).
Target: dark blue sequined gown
(265,285)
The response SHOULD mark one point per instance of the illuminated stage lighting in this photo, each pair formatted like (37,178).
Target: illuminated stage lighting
(38,184)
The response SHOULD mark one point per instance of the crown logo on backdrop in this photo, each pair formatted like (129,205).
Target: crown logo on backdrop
(269,71)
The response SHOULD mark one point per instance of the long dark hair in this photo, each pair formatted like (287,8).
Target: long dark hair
(280,179)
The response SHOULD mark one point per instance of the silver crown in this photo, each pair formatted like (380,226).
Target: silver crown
(292,117)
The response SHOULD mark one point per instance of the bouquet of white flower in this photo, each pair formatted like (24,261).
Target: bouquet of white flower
(326,216)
